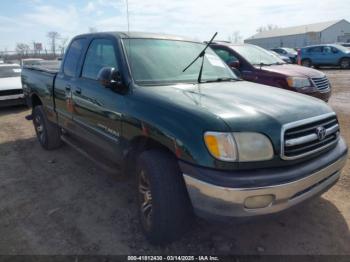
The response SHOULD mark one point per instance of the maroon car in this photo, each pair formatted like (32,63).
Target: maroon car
(253,63)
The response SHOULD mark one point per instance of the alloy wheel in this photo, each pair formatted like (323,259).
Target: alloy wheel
(145,200)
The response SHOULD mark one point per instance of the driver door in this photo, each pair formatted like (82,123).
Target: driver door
(97,109)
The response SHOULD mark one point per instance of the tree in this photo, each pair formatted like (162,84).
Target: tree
(93,30)
(53,36)
(268,27)
(63,44)
(236,37)
(22,48)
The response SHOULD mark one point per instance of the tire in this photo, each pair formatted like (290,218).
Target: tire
(344,63)
(48,133)
(306,63)
(164,207)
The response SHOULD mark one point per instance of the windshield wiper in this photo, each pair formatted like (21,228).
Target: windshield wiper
(222,79)
(201,55)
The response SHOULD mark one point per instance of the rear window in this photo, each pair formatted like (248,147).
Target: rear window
(72,58)
(10,71)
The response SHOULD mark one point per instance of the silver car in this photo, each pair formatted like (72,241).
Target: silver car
(11,92)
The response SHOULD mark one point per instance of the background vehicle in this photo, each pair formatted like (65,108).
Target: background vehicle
(199,140)
(31,61)
(289,52)
(258,65)
(283,57)
(326,55)
(11,92)
(347,45)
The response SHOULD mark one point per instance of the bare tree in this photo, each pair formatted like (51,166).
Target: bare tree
(53,37)
(22,48)
(236,37)
(268,27)
(93,30)
(63,44)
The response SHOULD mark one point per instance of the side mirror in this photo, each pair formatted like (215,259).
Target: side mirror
(109,77)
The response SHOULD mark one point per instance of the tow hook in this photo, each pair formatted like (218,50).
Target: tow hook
(29,117)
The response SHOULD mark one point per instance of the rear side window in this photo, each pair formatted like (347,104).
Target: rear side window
(225,55)
(72,58)
(317,49)
(100,54)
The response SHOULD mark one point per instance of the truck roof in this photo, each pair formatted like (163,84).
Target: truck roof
(126,35)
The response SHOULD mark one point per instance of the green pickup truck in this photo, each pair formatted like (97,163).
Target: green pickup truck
(198,139)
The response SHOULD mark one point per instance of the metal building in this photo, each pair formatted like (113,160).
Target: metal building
(300,36)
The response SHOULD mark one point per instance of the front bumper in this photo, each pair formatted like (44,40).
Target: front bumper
(313,178)
(9,100)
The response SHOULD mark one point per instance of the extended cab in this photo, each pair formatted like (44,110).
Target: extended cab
(206,143)
(256,64)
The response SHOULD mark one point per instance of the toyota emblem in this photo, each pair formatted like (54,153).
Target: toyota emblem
(321,132)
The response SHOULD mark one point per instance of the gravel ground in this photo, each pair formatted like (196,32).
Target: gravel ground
(58,202)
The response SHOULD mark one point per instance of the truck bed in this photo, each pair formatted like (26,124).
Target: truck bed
(46,66)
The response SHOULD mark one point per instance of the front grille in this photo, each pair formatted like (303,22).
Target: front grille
(309,136)
(11,92)
(321,83)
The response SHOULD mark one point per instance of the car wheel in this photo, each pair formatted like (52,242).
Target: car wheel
(47,132)
(345,63)
(306,62)
(164,207)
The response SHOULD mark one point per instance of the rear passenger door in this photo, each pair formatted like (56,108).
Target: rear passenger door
(65,81)
(316,55)
(97,108)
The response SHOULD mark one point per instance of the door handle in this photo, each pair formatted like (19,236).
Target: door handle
(78,90)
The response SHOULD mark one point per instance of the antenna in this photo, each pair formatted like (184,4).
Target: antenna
(127,15)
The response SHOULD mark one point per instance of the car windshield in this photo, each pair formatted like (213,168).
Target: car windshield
(257,55)
(342,48)
(157,61)
(10,71)
(290,50)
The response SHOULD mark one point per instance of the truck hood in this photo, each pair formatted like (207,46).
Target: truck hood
(293,70)
(10,83)
(244,106)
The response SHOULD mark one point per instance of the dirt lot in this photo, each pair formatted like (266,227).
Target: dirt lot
(59,203)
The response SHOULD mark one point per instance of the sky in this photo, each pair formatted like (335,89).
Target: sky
(28,21)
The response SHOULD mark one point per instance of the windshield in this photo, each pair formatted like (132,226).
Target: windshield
(342,48)
(290,50)
(257,55)
(156,61)
(10,71)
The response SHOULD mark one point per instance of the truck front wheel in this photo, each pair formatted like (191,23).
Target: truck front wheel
(47,132)
(164,207)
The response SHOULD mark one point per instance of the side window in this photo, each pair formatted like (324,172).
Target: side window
(327,49)
(225,55)
(100,54)
(317,49)
(72,58)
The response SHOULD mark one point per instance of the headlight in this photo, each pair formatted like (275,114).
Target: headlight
(253,147)
(240,146)
(298,82)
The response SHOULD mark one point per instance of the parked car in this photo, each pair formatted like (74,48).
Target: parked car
(347,45)
(256,64)
(325,55)
(31,61)
(283,57)
(198,139)
(11,92)
(289,52)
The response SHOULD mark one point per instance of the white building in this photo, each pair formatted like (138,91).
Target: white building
(300,36)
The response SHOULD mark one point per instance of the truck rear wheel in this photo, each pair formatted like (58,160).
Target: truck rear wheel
(48,133)
(164,207)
